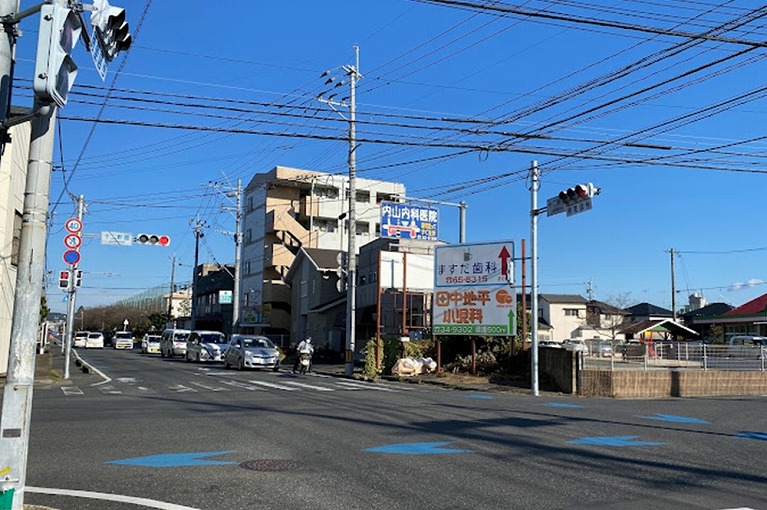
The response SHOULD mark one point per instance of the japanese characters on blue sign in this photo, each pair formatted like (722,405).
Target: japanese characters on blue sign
(407,221)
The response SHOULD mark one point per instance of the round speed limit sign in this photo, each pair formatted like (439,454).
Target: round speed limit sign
(74,225)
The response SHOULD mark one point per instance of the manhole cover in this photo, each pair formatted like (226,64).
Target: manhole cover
(270,465)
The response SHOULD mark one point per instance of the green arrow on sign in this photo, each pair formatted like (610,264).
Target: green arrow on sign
(512,322)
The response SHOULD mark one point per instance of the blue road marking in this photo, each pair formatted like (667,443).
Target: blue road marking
(762,436)
(675,419)
(416,449)
(556,404)
(173,460)
(484,397)
(618,441)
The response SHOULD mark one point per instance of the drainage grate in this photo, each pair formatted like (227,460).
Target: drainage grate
(270,465)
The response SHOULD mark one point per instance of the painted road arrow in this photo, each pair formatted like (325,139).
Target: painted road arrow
(174,460)
(417,449)
(619,441)
(675,419)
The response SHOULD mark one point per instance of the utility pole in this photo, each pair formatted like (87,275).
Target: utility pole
(237,250)
(17,394)
(535,184)
(72,293)
(7,44)
(351,273)
(198,233)
(673,287)
(172,289)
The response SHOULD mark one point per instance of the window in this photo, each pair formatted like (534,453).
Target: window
(302,288)
(363,197)
(249,236)
(571,312)
(362,228)
(250,203)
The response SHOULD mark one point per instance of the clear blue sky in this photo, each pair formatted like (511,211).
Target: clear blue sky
(668,127)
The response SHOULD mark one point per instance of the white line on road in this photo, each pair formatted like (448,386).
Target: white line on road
(149,503)
(211,388)
(311,387)
(363,386)
(182,389)
(242,385)
(71,390)
(272,385)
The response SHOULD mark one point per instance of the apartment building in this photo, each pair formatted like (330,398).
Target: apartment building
(286,209)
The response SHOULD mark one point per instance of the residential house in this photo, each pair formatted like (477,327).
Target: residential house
(603,321)
(565,313)
(318,302)
(702,319)
(13,178)
(286,209)
(646,311)
(747,319)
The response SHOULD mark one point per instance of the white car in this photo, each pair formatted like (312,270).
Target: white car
(204,346)
(576,345)
(173,342)
(251,352)
(95,340)
(123,340)
(150,344)
(79,339)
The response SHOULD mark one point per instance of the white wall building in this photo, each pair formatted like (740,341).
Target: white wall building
(566,313)
(13,178)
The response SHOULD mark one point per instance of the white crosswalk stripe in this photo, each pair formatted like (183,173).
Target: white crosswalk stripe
(209,388)
(71,390)
(242,385)
(182,389)
(363,386)
(273,385)
(308,386)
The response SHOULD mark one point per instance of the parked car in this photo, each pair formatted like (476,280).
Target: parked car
(123,340)
(601,348)
(79,339)
(576,345)
(251,352)
(95,340)
(150,344)
(549,343)
(173,342)
(205,346)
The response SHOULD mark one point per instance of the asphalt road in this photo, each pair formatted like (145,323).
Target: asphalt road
(282,441)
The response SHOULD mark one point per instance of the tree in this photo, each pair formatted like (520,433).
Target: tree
(610,319)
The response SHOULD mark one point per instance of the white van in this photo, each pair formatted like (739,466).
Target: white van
(123,340)
(748,340)
(173,342)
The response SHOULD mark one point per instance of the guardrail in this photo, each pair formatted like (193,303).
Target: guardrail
(680,355)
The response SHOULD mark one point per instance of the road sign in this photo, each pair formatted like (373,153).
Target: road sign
(554,206)
(474,289)
(582,206)
(405,221)
(72,241)
(73,225)
(117,238)
(72,257)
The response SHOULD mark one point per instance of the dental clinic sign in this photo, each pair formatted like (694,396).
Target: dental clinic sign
(406,221)
(474,290)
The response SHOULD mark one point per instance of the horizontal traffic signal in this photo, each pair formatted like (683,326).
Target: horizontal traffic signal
(153,239)
(577,193)
(55,70)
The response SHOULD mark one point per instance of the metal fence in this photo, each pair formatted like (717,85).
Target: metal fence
(677,355)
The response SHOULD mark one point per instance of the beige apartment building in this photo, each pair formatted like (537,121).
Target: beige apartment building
(13,178)
(285,209)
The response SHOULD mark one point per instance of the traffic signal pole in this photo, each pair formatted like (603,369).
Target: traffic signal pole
(17,394)
(534,212)
(72,293)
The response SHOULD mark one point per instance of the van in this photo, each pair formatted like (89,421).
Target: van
(123,340)
(173,342)
(79,339)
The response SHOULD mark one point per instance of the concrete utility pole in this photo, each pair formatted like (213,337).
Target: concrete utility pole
(673,287)
(351,273)
(72,293)
(198,226)
(17,395)
(535,184)
(172,292)
(237,250)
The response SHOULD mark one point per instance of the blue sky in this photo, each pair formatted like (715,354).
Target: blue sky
(212,93)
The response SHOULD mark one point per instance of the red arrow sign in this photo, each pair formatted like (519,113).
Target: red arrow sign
(504,256)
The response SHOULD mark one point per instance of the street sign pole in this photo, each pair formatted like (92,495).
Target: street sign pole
(535,184)
(72,292)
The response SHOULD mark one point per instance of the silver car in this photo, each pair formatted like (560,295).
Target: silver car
(246,351)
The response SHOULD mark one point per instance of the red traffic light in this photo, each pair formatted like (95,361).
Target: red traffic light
(153,239)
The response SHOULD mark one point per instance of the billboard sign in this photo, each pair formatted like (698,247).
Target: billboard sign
(407,221)
(474,290)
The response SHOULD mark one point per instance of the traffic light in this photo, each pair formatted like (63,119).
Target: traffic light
(78,278)
(64,279)
(153,239)
(577,193)
(55,71)
(111,29)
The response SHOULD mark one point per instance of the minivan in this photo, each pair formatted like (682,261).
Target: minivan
(173,342)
